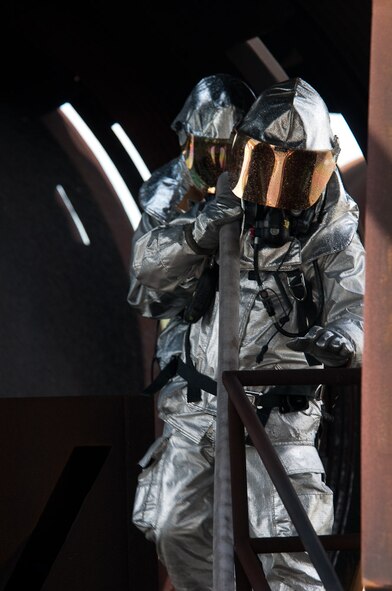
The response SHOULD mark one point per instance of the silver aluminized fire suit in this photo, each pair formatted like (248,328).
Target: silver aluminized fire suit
(174,499)
(214,106)
(158,197)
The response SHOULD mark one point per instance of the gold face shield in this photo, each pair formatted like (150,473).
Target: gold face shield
(206,158)
(278,177)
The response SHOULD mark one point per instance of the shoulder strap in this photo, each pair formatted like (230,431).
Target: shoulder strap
(196,380)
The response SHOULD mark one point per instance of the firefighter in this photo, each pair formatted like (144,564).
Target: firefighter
(204,128)
(301,305)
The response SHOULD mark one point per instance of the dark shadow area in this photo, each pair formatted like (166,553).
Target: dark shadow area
(69,471)
(57,518)
(139,68)
(66,326)
(340,452)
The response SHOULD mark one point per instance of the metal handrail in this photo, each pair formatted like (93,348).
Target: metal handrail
(242,414)
(229,273)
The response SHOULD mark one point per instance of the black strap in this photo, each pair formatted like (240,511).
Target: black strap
(204,293)
(188,229)
(283,293)
(290,398)
(168,372)
(196,380)
(301,290)
(306,318)
(287,398)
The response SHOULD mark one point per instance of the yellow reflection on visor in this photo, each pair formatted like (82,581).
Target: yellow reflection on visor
(206,157)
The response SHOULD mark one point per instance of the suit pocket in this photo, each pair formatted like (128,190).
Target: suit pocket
(147,496)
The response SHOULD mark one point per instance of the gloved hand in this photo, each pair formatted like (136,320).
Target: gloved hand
(223,209)
(325,344)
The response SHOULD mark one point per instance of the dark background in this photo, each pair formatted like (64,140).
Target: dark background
(138,68)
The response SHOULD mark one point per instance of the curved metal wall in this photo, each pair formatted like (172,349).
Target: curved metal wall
(66,327)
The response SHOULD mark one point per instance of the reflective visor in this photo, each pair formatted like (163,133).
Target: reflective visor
(206,157)
(278,177)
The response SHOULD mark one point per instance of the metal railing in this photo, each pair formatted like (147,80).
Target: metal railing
(249,571)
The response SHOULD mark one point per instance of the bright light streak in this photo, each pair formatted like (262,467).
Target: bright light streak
(110,170)
(350,150)
(131,151)
(75,218)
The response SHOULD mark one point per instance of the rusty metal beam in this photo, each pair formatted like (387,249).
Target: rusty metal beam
(376,440)
(276,471)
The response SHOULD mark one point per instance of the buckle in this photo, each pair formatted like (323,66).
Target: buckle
(259,401)
(297,286)
(253,396)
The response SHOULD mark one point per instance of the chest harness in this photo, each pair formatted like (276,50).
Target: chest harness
(285,398)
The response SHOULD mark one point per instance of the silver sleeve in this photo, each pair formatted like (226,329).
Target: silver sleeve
(163,270)
(343,276)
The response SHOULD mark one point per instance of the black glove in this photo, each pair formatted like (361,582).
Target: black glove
(223,209)
(325,344)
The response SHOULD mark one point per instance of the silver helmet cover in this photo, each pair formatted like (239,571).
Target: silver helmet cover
(284,151)
(292,115)
(214,107)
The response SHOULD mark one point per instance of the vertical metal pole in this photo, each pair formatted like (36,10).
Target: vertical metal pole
(229,290)
(376,440)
